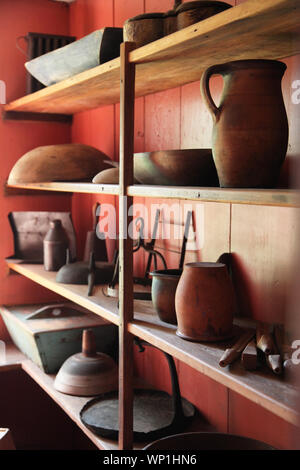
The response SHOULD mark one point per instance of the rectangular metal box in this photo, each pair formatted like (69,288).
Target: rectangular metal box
(48,335)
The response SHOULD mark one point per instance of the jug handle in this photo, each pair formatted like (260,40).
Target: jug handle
(205,90)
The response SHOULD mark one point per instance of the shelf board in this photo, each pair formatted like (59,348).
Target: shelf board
(98,303)
(254,29)
(272,392)
(70,187)
(271,197)
(267,197)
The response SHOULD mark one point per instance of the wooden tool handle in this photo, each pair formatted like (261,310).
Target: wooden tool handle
(274,362)
(264,339)
(231,354)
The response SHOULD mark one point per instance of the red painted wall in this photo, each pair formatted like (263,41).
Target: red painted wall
(16,138)
(262,239)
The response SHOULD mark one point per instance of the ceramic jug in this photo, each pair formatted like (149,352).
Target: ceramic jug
(250,132)
(205,302)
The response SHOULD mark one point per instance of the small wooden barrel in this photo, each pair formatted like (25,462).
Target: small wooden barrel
(170,22)
(191,12)
(143,29)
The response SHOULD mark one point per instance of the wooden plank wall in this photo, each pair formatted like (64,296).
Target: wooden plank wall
(262,239)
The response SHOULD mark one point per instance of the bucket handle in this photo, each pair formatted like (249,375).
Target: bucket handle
(205,90)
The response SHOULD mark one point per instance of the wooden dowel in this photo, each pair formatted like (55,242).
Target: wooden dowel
(283,348)
(274,362)
(264,340)
(233,353)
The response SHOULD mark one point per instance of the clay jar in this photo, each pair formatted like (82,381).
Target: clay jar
(55,246)
(250,132)
(205,302)
(164,285)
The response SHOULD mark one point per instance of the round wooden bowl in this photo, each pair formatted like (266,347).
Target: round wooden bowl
(191,167)
(62,162)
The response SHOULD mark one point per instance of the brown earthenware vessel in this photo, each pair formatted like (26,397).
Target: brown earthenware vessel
(163,289)
(250,133)
(205,302)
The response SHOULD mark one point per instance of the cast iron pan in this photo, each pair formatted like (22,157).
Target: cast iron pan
(156,413)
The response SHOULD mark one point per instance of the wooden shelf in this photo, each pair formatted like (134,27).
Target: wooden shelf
(262,387)
(273,393)
(254,29)
(70,187)
(267,197)
(98,303)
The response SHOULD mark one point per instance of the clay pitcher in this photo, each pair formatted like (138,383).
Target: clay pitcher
(205,302)
(250,133)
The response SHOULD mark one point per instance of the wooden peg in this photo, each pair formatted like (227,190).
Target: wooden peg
(264,340)
(233,353)
(274,362)
(283,348)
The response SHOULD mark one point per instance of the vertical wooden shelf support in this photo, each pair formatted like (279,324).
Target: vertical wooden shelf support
(127,94)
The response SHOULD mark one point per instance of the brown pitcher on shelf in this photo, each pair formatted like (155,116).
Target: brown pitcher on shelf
(250,133)
(205,302)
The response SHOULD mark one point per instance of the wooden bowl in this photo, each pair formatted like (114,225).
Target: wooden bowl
(191,167)
(62,162)
(108,176)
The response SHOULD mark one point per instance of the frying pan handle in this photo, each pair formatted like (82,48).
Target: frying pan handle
(176,396)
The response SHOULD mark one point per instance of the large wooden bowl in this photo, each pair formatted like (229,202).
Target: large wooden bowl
(63,162)
(191,167)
